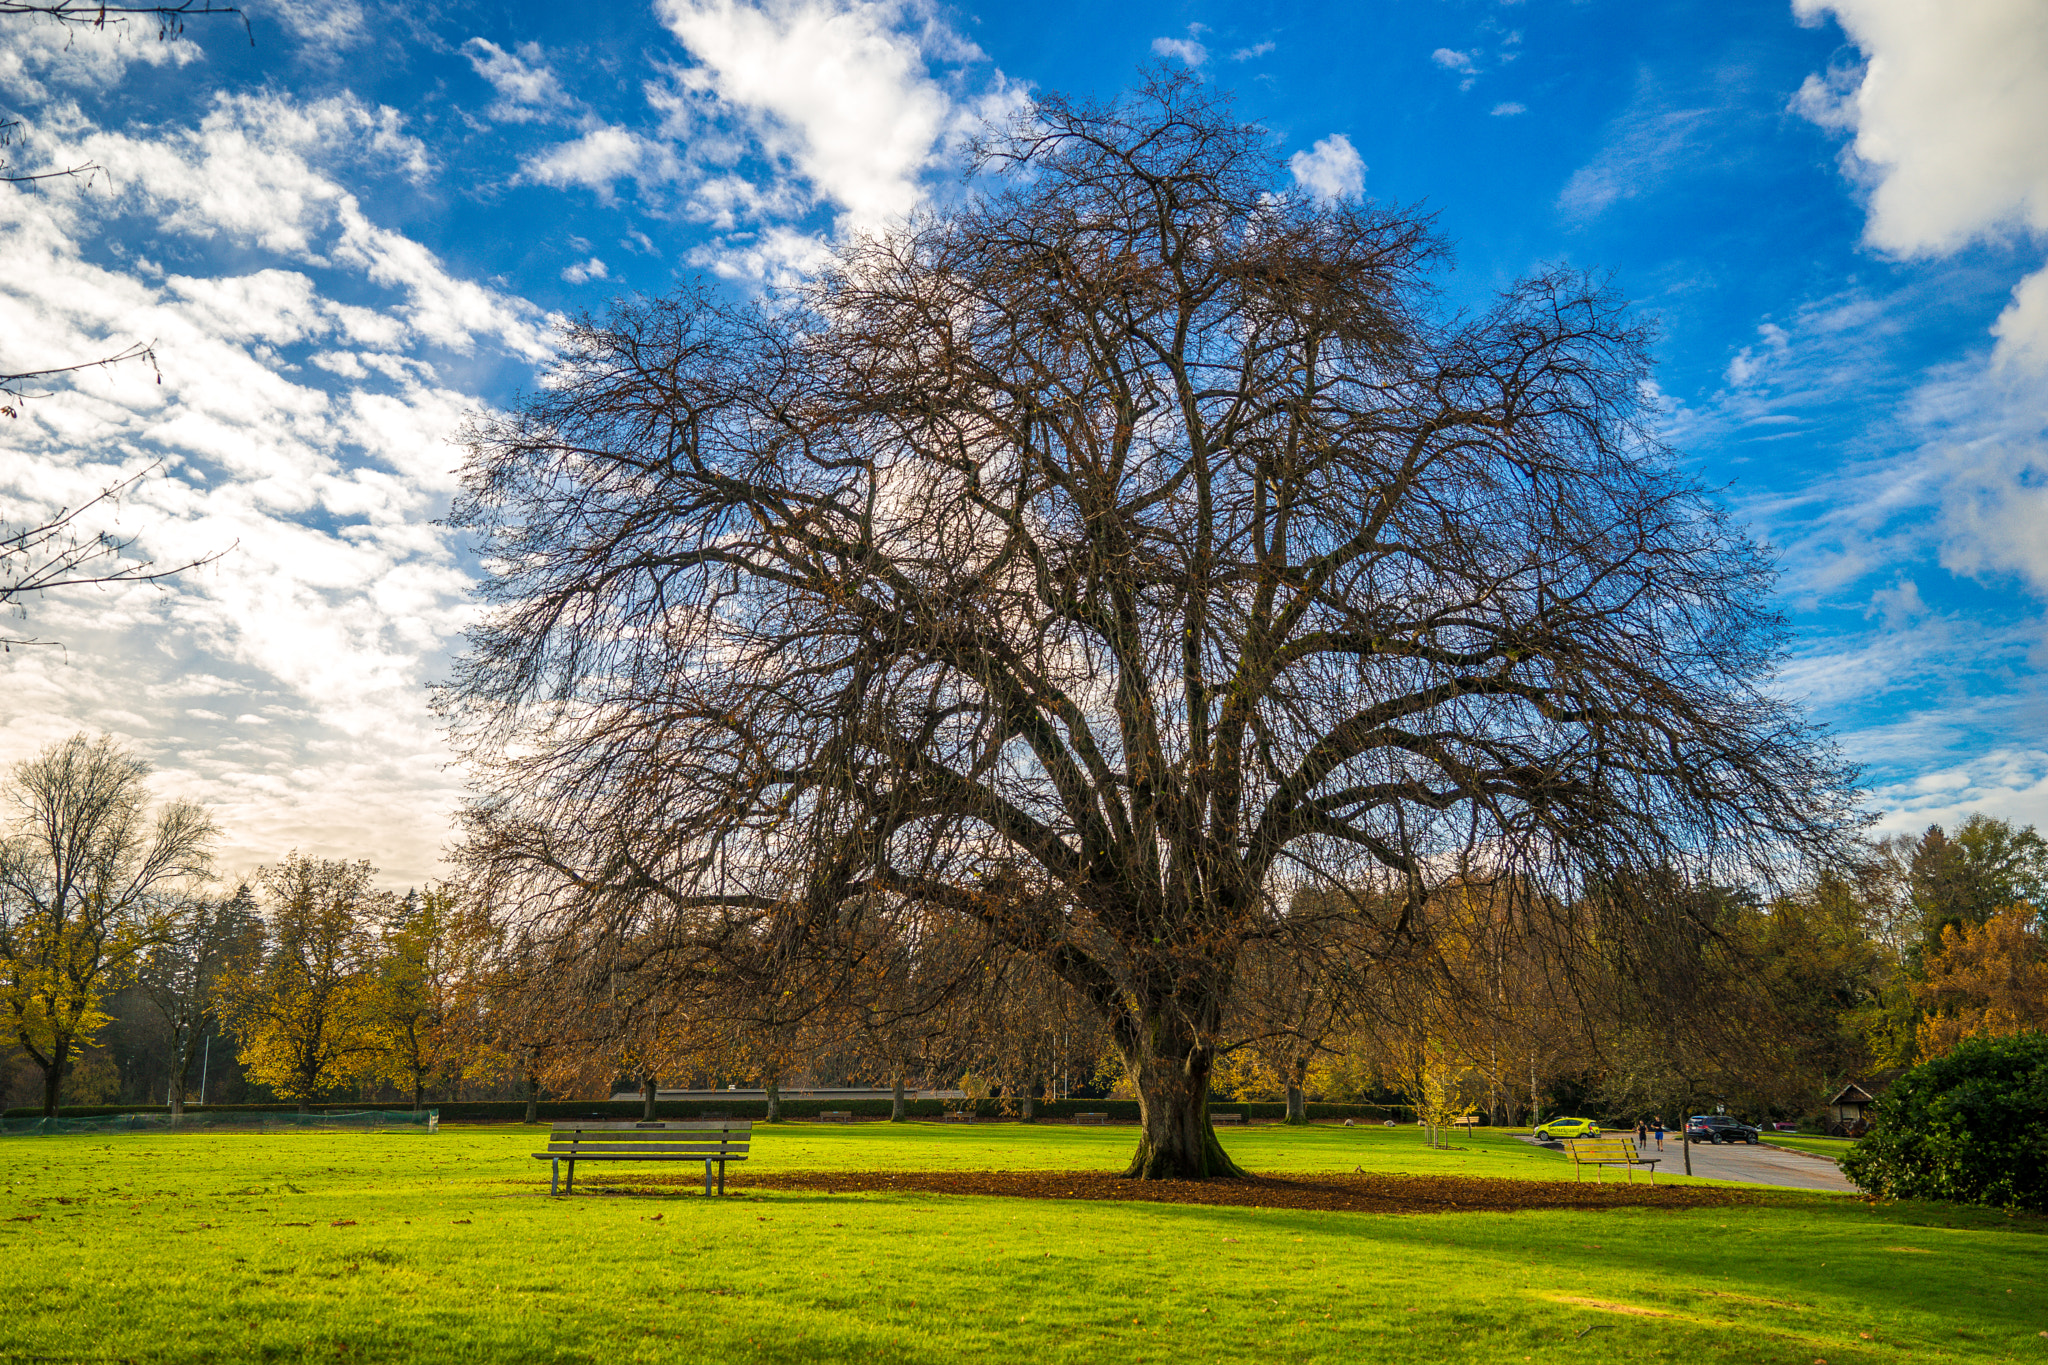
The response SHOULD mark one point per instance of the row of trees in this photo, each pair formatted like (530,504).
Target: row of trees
(320,981)
(316,973)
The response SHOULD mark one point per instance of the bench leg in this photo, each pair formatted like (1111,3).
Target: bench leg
(721,1177)
(569,1186)
(554,1175)
(707,1178)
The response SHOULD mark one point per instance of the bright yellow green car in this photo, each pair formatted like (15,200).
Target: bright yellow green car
(1569,1128)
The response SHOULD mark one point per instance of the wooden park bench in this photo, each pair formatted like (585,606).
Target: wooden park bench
(835,1116)
(1091,1118)
(1598,1152)
(713,1143)
(1226,1118)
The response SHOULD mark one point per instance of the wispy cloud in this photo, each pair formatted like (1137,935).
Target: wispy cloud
(527,88)
(1642,146)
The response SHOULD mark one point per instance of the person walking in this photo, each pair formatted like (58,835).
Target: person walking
(1657,1124)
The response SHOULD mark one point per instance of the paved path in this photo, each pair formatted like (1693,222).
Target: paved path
(1758,1165)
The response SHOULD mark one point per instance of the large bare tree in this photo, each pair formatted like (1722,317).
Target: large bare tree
(1098,562)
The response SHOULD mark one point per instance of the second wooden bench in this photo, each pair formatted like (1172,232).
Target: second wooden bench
(1598,1152)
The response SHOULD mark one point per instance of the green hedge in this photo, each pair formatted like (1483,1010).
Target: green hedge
(512,1111)
(1967,1128)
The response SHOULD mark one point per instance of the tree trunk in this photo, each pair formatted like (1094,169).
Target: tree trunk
(1171,1072)
(418,1095)
(774,1089)
(1297,1102)
(896,1099)
(647,1099)
(53,1076)
(532,1098)
(305,1107)
(181,1067)
(1027,1108)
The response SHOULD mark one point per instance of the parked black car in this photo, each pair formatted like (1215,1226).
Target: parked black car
(1719,1128)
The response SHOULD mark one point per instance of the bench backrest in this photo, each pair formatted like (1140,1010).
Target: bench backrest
(1602,1149)
(714,1139)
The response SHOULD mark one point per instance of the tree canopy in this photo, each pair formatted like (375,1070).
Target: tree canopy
(1096,563)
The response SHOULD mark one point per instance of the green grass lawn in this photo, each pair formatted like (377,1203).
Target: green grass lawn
(345,1246)
(1820,1146)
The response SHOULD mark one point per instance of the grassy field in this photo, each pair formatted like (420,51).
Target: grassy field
(408,1247)
(1820,1146)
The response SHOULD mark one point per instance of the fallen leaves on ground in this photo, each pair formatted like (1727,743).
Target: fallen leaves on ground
(1335,1193)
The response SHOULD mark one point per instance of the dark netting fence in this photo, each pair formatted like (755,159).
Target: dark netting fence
(200,1121)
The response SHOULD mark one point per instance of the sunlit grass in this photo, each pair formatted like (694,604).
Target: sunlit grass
(1820,1146)
(409,1247)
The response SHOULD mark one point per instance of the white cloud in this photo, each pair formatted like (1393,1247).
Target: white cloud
(1508,109)
(1946,115)
(2009,783)
(777,258)
(37,60)
(601,158)
(326,27)
(1751,361)
(1452,60)
(584,271)
(527,89)
(1185,50)
(840,91)
(1331,170)
(1245,54)
(312,435)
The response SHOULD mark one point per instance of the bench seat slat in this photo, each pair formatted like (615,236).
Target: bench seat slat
(652,1128)
(714,1153)
(632,1156)
(584,1149)
(627,1139)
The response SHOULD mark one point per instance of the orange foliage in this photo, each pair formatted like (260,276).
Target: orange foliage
(1986,980)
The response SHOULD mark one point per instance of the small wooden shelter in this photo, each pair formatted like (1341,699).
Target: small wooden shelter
(1844,1113)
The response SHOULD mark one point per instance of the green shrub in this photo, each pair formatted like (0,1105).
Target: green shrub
(1971,1128)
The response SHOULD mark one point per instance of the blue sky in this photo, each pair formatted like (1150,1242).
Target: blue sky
(347,235)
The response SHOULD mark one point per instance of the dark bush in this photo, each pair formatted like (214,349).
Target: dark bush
(1970,1128)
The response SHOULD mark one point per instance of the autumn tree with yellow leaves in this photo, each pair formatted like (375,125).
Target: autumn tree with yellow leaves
(307,1014)
(432,966)
(1984,981)
(86,872)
